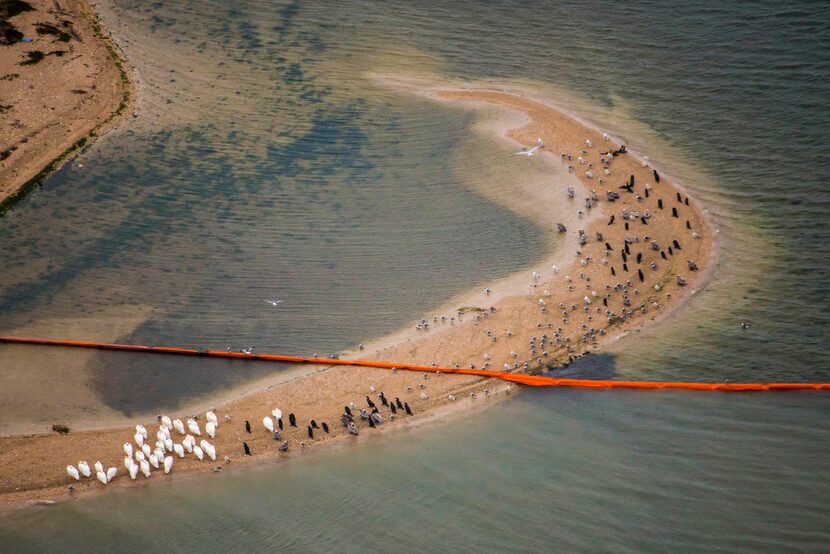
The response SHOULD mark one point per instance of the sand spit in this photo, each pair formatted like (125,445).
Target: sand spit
(527,321)
(59,92)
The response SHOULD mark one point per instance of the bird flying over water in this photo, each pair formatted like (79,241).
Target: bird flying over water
(529,152)
(273,302)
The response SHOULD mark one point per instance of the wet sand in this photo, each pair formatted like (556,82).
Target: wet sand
(499,323)
(51,109)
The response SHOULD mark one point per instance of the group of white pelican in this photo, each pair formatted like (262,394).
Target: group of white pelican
(143,459)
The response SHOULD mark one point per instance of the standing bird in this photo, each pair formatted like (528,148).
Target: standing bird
(393,408)
(73,472)
(398,403)
(347,410)
(383,400)
(640,274)
(674,212)
(268,423)
(371,423)
(247,448)
(613,271)
(663,255)
(247,426)
(352,428)
(369,402)
(656,175)
(314,424)
(611,221)
(279,423)
(292,420)
(283,447)
(407,408)
(325,427)
(639,257)
(676,244)
(310,432)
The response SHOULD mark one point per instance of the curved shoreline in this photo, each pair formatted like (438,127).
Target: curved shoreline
(322,394)
(112,112)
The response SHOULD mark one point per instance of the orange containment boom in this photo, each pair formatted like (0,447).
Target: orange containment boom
(530,380)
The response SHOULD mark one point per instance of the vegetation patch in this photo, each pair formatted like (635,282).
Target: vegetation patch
(33,57)
(5,107)
(9,34)
(48,29)
(10,77)
(11,8)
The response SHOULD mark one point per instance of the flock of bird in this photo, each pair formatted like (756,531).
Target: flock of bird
(141,457)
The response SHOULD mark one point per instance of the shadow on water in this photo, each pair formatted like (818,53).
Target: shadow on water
(598,366)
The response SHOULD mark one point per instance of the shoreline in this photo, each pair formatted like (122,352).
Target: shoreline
(112,111)
(462,343)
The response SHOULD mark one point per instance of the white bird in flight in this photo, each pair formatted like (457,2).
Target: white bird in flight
(273,302)
(531,151)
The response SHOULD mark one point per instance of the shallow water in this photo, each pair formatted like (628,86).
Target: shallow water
(263,163)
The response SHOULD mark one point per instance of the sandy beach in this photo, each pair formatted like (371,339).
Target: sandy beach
(502,326)
(60,91)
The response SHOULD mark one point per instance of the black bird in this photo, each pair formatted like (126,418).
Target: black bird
(660,203)
(656,175)
(671,252)
(663,255)
(679,198)
(608,246)
(611,221)
(627,249)
(605,302)
(688,225)
(247,448)
(639,257)
(631,181)
(626,226)
(283,447)
(625,267)
(624,256)
(325,427)
(627,187)
(369,402)
(247,426)
(640,275)
(613,271)
(686,200)
(279,423)
(314,424)
(643,220)
(292,420)
(375,410)
(310,432)
(676,244)
(398,402)
(646,193)
(371,423)
(407,408)
(674,212)
(393,408)
(346,410)
(383,400)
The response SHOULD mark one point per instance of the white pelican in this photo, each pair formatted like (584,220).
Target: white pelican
(128,462)
(208,448)
(133,469)
(145,468)
(168,464)
(211,417)
(83,467)
(210,429)
(141,429)
(154,461)
(198,451)
(99,466)
(178,426)
(70,469)
(140,456)
(128,449)
(101,477)
(166,421)
(111,472)
(146,449)
(187,444)
(268,423)
(277,413)
(168,445)
(139,439)
(193,427)
(179,450)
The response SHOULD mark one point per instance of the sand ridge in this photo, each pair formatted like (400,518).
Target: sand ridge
(500,324)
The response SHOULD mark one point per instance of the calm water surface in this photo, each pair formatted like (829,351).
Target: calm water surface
(263,163)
